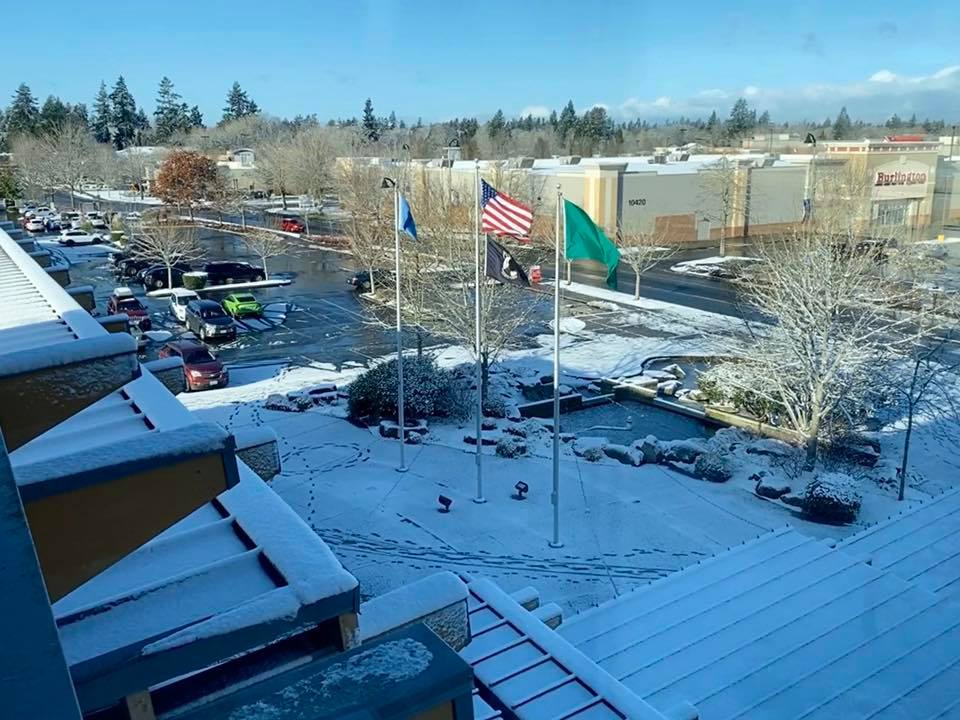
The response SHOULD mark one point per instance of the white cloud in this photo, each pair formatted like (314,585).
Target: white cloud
(883,76)
(876,97)
(538,111)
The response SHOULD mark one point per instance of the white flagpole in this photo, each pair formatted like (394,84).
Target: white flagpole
(401,430)
(555,498)
(477,339)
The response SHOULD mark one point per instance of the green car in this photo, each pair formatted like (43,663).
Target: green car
(242,305)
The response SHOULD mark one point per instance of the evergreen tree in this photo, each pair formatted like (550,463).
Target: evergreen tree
(238,104)
(713,121)
(497,127)
(124,116)
(78,114)
(392,120)
(370,124)
(171,115)
(102,115)
(22,115)
(742,120)
(912,122)
(553,119)
(764,119)
(894,122)
(53,113)
(842,125)
(142,121)
(196,117)
(567,121)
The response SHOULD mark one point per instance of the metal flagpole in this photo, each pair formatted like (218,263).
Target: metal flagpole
(555,497)
(401,430)
(477,340)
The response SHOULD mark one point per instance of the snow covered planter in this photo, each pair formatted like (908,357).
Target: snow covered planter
(712,468)
(429,391)
(511,447)
(831,497)
(195,280)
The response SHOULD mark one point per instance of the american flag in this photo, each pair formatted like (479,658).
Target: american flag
(502,215)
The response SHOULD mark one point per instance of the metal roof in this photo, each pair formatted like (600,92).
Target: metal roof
(235,574)
(534,672)
(921,545)
(781,627)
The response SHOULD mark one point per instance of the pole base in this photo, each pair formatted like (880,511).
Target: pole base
(480,500)
(401,468)
(555,544)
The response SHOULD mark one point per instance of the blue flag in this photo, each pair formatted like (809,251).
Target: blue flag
(405,220)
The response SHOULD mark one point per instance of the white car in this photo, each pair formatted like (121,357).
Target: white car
(98,223)
(133,216)
(34,224)
(76,236)
(179,298)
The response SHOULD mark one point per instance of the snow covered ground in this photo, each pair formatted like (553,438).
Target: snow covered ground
(715,266)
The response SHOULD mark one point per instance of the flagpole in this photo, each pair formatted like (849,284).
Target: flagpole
(477,339)
(555,497)
(401,430)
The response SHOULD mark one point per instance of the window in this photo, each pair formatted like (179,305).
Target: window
(891,212)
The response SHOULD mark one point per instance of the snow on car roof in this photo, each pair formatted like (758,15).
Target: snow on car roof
(183,292)
(123,292)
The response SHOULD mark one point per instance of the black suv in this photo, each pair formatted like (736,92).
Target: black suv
(207,320)
(221,273)
(155,276)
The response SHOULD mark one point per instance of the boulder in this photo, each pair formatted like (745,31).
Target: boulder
(712,468)
(512,412)
(511,447)
(491,438)
(488,424)
(623,454)
(675,370)
(669,387)
(586,444)
(649,449)
(683,451)
(645,381)
(593,454)
(772,487)
(770,447)
(793,499)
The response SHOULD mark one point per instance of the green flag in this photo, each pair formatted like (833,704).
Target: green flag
(586,241)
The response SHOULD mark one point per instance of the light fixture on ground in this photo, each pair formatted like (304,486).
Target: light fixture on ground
(522,489)
(445,503)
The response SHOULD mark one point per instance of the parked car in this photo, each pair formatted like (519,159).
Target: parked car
(76,236)
(361,280)
(130,267)
(201,368)
(242,305)
(155,276)
(291,224)
(34,211)
(99,223)
(123,302)
(179,299)
(70,218)
(228,272)
(133,216)
(34,224)
(208,321)
(52,223)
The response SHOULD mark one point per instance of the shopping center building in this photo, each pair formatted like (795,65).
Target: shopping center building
(696,198)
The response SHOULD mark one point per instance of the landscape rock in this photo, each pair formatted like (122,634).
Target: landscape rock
(650,449)
(793,499)
(675,370)
(771,487)
(593,454)
(491,438)
(669,387)
(712,468)
(275,401)
(581,446)
(770,447)
(645,381)
(512,412)
(511,447)
(623,454)
(414,429)
(683,451)
(488,424)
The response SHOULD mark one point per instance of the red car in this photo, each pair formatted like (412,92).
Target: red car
(123,302)
(289,224)
(202,370)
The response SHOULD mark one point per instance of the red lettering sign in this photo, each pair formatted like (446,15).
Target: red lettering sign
(898,177)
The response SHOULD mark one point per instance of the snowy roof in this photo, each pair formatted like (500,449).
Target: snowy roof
(535,672)
(140,407)
(783,627)
(237,573)
(42,326)
(921,545)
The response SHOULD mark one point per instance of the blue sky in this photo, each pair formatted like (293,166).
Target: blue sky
(439,60)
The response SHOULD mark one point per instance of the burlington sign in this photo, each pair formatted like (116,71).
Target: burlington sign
(899,177)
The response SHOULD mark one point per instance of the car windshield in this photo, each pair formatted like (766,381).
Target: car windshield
(245,298)
(129,304)
(196,356)
(211,313)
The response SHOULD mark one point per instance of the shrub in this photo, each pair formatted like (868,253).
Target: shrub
(832,498)
(712,468)
(429,391)
(511,447)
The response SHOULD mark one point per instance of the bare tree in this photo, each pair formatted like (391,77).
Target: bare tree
(32,166)
(166,241)
(721,196)
(276,160)
(266,244)
(369,224)
(643,250)
(833,327)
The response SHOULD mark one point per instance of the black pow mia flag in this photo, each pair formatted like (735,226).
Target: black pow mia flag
(501,266)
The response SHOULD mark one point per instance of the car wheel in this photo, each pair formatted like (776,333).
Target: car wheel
(258,277)
(70,243)
(158,283)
